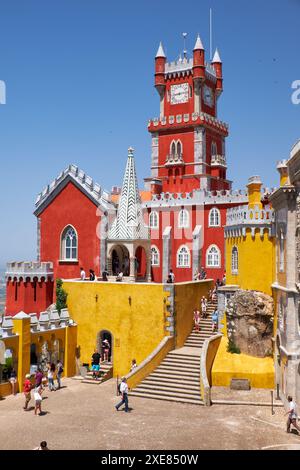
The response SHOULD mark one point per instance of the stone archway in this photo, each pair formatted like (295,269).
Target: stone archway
(141,262)
(119,260)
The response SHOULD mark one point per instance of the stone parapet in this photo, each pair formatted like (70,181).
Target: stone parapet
(194,119)
(33,269)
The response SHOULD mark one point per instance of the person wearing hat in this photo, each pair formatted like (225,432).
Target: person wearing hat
(106,349)
(124,391)
(27,390)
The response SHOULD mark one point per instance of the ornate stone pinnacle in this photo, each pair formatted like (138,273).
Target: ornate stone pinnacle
(130,151)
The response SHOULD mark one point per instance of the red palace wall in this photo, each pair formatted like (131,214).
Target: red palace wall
(70,207)
(31,297)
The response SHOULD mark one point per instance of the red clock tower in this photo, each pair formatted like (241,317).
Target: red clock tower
(188,140)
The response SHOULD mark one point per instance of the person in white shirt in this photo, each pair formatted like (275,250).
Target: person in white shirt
(82,274)
(124,391)
(292,418)
(119,277)
(172,276)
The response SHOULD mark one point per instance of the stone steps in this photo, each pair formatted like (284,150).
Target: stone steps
(177,378)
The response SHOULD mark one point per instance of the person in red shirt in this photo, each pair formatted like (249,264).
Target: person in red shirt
(27,391)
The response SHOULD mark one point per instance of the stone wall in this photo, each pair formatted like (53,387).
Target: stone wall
(250,317)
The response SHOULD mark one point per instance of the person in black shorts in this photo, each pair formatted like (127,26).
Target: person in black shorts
(96,364)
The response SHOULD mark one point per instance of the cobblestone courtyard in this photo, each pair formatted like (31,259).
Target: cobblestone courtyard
(83,416)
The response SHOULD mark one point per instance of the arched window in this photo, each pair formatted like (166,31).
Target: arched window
(69,244)
(154,220)
(213,257)
(173,149)
(154,256)
(183,219)
(179,149)
(183,257)
(234,260)
(214,217)
(214,150)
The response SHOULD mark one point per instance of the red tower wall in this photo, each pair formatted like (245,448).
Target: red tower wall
(70,207)
(29,297)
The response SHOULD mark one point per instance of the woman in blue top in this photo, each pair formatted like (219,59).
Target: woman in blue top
(214,320)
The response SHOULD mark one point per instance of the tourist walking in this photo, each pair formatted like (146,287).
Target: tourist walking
(13,381)
(292,415)
(82,274)
(105,274)
(106,349)
(50,376)
(37,395)
(59,371)
(197,319)
(43,446)
(124,392)
(172,276)
(203,307)
(133,365)
(27,391)
(214,319)
(38,377)
(96,364)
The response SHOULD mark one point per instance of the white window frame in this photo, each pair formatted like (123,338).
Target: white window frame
(208,252)
(183,257)
(183,219)
(155,256)
(63,247)
(234,260)
(212,213)
(154,215)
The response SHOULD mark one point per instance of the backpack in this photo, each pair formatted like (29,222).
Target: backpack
(119,388)
(61,369)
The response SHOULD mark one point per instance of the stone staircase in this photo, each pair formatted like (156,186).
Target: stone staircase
(106,372)
(177,378)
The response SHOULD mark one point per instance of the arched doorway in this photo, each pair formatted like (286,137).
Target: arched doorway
(120,260)
(141,262)
(105,335)
(33,355)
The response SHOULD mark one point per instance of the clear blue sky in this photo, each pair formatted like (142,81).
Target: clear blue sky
(79,77)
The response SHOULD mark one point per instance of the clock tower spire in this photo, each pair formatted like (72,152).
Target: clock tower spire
(188,140)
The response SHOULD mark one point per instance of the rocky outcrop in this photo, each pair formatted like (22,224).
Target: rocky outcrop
(250,316)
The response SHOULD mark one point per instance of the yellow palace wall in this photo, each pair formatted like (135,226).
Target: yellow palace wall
(256,262)
(134,313)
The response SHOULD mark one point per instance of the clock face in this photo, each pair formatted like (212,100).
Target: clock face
(179,93)
(208,96)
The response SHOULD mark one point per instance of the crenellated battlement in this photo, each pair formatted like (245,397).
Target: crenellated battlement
(85,181)
(198,196)
(32,269)
(194,119)
(238,219)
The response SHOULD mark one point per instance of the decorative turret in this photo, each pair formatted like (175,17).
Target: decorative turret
(217,65)
(198,61)
(283,171)
(254,192)
(160,62)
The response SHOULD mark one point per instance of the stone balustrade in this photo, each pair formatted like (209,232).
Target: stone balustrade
(173,160)
(218,160)
(245,216)
(32,269)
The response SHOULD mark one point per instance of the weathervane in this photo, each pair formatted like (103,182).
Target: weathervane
(184,44)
